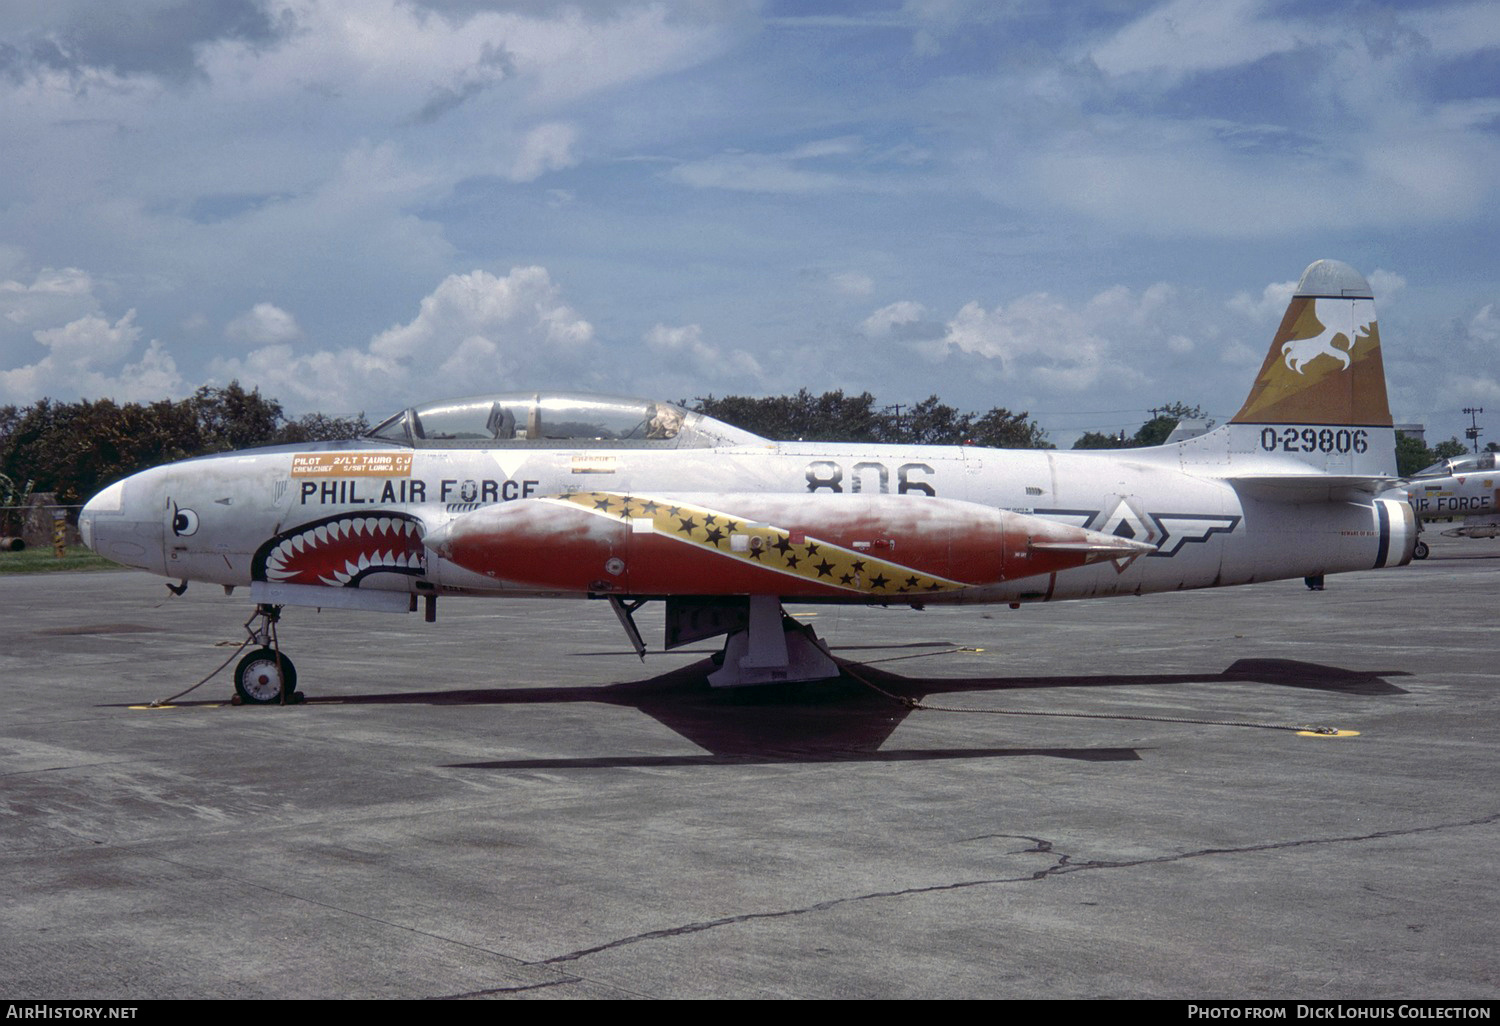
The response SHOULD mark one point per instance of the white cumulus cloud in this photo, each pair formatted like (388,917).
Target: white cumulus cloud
(888,319)
(1035,337)
(523,308)
(1118,338)
(545,148)
(263,324)
(1269,305)
(475,332)
(53,297)
(686,344)
(86,359)
(1485,324)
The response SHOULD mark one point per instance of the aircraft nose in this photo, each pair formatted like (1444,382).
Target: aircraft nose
(106,501)
(124,523)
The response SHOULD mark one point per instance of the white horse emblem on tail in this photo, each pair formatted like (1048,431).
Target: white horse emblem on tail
(1299,352)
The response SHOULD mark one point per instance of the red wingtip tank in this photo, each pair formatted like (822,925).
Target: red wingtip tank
(849,548)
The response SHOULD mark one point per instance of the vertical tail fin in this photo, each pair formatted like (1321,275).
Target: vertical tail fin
(1324,365)
(1320,396)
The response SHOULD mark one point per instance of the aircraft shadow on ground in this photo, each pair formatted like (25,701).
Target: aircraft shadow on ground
(840,720)
(843,720)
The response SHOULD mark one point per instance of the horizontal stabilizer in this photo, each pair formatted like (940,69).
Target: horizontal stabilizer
(1309,487)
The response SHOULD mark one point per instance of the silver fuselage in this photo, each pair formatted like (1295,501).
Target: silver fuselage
(206,519)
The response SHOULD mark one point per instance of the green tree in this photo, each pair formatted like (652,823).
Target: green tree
(830,417)
(1449,449)
(230,418)
(1411,455)
(74,449)
(12,494)
(930,422)
(1002,429)
(1154,432)
(933,422)
(10,418)
(836,417)
(318,427)
(1095,440)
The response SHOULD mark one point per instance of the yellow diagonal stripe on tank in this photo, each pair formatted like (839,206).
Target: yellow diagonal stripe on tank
(763,545)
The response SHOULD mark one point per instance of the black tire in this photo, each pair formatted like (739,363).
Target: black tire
(1420,552)
(262,676)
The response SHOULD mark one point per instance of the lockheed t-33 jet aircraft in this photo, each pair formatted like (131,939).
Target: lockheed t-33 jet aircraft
(628,500)
(1464,486)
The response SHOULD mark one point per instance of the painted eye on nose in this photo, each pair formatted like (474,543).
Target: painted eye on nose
(184,522)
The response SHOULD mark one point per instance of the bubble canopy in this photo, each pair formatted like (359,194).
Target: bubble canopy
(557,420)
(1475,464)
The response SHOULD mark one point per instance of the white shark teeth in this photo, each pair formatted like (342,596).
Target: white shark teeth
(276,564)
(397,539)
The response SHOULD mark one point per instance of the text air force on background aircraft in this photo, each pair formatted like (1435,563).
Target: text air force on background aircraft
(1466,487)
(630,500)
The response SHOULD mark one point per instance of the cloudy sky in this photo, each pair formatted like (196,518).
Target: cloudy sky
(1081,210)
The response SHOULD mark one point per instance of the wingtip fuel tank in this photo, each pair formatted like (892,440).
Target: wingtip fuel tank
(845,546)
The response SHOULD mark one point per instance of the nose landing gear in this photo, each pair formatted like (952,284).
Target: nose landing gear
(265,675)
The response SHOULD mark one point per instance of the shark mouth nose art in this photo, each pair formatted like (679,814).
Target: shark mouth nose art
(342,550)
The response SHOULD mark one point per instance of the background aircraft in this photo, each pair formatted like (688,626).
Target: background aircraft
(528,494)
(1465,486)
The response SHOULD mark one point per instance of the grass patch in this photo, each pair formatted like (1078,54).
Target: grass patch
(44,561)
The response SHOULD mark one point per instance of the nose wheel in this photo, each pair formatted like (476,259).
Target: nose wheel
(263,676)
